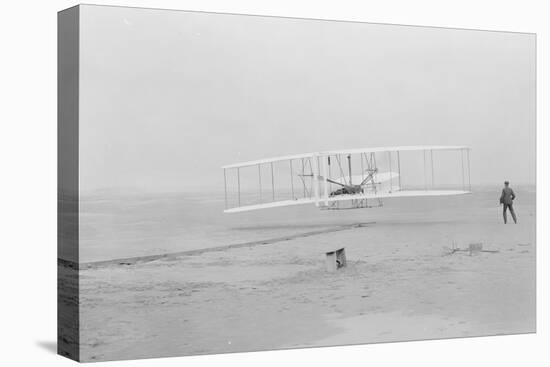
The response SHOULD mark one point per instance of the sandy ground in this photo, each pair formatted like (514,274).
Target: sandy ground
(401,283)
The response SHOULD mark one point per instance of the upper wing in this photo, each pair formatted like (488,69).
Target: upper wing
(404,148)
(269,160)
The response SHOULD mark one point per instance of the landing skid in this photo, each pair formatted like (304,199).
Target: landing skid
(352,204)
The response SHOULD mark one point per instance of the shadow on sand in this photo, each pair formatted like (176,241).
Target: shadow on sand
(48,345)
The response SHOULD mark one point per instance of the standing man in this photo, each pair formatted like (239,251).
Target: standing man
(507,199)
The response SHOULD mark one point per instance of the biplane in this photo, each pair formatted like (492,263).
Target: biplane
(344,179)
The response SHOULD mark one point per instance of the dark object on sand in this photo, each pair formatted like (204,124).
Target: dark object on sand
(336,259)
(473,248)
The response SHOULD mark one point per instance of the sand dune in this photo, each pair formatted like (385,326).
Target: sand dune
(401,283)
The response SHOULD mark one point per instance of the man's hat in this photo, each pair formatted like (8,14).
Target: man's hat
(506,182)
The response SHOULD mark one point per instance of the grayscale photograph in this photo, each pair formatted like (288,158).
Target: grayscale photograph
(235,183)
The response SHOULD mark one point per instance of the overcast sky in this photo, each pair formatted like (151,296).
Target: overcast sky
(168,97)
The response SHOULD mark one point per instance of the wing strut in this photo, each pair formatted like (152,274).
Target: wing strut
(260,181)
(239,186)
(316,179)
(225,186)
(272,181)
(469,181)
(325,183)
(432,159)
(349,169)
(391,175)
(462,161)
(291,179)
(399,170)
(425,179)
